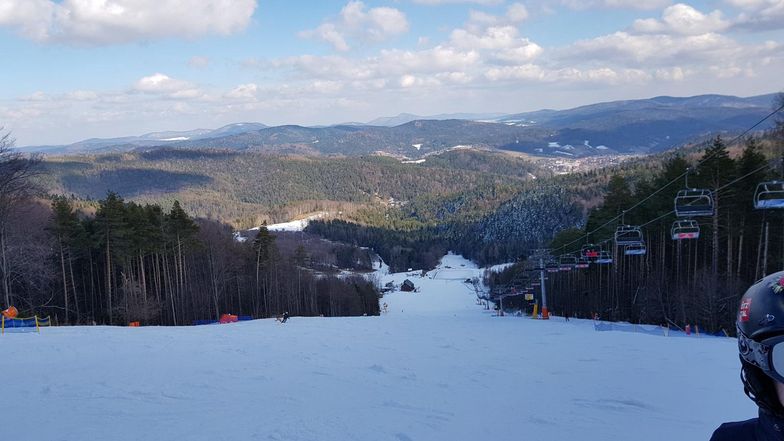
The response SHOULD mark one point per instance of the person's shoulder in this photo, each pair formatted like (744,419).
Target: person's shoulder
(737,431)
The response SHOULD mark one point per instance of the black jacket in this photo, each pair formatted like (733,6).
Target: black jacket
(765,428)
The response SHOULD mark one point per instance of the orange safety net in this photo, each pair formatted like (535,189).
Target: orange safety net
(11,312)
(228,318)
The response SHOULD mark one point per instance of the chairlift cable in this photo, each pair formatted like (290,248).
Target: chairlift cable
(723,187)
(660,189)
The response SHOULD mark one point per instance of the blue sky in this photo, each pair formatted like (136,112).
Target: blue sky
(75,69)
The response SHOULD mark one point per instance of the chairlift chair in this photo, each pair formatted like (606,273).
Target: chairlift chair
(566,263)
(769,195)
(590,251)
(694,202)
(635,250)
(685,229)
(551,267)
(626,235)
(582,263)
(605,258)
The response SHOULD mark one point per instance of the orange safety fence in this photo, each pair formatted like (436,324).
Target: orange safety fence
(11,312)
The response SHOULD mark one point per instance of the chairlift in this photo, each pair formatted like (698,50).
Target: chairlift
(567,262)
(769,195)
(635,250)
(582,263)
(590,251)
(685,229)
(551,267)
(605,258)
(628,235)
(694,202)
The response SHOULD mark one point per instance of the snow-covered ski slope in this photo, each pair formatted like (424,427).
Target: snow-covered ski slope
(435,367)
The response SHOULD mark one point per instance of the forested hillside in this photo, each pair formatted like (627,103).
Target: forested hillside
(128,261)
(676,279)
(244,188)
(134,262)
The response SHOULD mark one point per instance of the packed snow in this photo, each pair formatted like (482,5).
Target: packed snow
(435,366)
(295,225)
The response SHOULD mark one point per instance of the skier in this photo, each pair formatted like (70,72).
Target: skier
(760,327)
(283,318)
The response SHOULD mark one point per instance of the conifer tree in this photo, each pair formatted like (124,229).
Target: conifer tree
(112,237)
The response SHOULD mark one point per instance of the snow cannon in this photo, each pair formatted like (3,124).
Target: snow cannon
(11,313)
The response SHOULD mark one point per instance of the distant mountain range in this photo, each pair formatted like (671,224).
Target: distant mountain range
(155,139)
(633,126)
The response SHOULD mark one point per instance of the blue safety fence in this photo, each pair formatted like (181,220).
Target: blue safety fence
(19,323)
(652,330)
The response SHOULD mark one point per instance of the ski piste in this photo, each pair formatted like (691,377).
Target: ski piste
(436,366)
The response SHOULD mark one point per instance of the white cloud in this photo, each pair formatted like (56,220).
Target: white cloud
(503,44)
(657,49)
(535,73)
(101,22)
(760,14)
(82,95)
(329,33)
(161,84)
(671,74)
(520,54)
(355,21)
(387,64)
(516,13)
(616,4)
(683,19)
(199,62)
(447,2)
(244,91)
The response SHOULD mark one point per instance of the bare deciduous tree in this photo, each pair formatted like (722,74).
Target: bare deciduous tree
(16,169)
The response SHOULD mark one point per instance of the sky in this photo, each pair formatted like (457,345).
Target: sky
(77,69)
